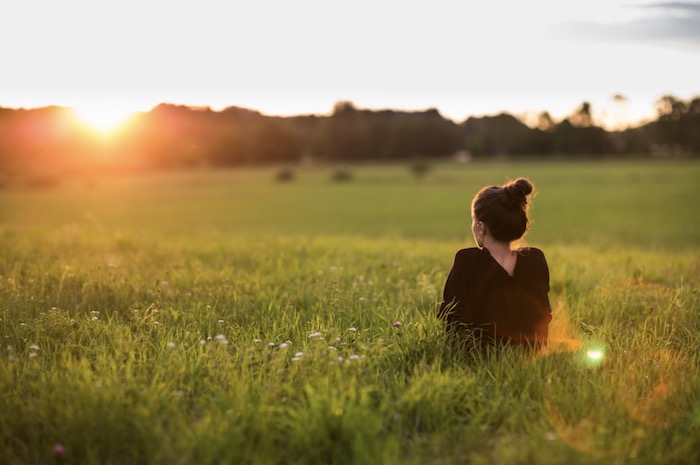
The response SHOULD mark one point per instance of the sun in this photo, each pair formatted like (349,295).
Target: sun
(103,119)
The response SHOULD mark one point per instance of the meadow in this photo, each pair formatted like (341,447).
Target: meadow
(221,317)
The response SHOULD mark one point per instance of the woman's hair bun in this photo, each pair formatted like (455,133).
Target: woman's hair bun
(520,188)
(503,209)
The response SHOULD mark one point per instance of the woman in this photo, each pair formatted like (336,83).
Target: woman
(496,293)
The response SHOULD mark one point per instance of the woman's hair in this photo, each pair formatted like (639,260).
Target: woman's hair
(503,209)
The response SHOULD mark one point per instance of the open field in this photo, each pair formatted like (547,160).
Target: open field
(222,317)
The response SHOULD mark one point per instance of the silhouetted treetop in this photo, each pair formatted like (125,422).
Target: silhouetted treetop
(169,135)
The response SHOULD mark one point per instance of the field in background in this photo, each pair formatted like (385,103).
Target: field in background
(646,204)
(224,317)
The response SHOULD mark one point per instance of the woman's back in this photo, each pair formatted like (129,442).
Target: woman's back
(480,295)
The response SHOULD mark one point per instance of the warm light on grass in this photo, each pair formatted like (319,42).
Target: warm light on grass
(210,317)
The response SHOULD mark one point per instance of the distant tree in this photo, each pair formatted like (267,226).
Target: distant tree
(344,107)
(669,107)
(582,116)
(677,128)
(274,141)
(581,140)
(502,134)
(545,121)
(341,136)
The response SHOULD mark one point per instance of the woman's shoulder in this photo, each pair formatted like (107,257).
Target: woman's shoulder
(469,253)
(532,254)
(470,257)
(467,261)
(530,251)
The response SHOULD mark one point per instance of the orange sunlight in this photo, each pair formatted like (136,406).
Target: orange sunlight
(103,119)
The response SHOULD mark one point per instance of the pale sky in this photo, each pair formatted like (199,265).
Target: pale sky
(285,57)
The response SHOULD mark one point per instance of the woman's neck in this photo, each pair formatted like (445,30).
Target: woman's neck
(497,248)
(502,253)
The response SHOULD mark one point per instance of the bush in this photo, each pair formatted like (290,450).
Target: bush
(342,175)
(420,168)
(284,175)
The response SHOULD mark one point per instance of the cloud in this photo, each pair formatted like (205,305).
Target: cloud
(680,6)
(669,24)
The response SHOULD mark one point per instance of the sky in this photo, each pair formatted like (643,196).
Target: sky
(286,57)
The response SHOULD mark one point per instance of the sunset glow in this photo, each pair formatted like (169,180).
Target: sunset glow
(311,61)
(103,119)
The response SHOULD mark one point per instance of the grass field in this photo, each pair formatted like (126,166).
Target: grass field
(222,317)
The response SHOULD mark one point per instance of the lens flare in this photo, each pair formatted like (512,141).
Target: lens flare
(594,357)
(103,119)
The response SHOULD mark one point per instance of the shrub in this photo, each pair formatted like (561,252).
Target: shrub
(420,168)
(284,175)
(342,175)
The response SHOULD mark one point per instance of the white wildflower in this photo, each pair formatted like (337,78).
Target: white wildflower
(171,345)
(352,329)
(315,334)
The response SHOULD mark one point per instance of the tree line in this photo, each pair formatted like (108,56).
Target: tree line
(49,141)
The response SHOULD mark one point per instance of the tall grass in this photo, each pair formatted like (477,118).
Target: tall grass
(182,325)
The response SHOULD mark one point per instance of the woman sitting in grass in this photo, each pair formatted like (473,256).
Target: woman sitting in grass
(497,293)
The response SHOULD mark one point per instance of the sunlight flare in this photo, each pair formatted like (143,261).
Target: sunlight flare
(103,119)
